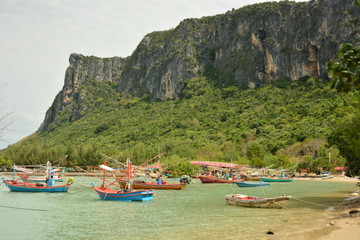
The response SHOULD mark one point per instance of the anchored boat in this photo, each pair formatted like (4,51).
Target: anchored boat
(123,194)
(252,184)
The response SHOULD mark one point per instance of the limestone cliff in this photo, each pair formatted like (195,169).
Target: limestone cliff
(246,47)
(80,70)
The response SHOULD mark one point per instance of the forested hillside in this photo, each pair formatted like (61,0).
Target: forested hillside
(280,124)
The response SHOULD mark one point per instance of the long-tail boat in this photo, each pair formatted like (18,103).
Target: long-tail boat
(256,202)
(251,184)
(150,185)
(263,179)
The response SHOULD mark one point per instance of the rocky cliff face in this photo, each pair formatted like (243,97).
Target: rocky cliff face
(246,48)
(80,70)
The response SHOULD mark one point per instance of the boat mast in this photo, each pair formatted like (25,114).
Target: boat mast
(129,174)
(103,184)
(48,169)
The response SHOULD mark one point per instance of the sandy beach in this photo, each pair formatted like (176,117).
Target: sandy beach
(343,222)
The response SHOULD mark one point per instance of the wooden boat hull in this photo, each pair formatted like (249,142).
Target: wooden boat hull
(149,185)
(248,184)
(208,179)
(17,186)
(255,202)
(276,179)
(114,195)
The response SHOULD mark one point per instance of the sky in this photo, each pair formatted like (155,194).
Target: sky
(38,36)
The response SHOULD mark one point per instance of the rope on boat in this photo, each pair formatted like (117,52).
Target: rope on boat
(33,209)
(320,205)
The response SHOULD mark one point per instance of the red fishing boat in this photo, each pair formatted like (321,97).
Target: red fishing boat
(212,179)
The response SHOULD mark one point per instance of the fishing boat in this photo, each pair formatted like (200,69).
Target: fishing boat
(252,184)
(123,194)
(256,202)
(19,186)
(250,178)
(159,185)
(48,186)
(26,174)
(263,179)
(328,177)
(212,179)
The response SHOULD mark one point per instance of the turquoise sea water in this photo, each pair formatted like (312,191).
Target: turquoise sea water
(197,212)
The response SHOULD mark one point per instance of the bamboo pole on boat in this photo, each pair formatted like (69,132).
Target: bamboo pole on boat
(103,184)
(157,156)
(110,183)
(118,162)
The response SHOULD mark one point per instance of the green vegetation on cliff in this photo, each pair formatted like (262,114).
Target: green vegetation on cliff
(280,124)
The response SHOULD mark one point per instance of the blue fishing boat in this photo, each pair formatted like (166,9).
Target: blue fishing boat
(114,195)
(18,186)
(276,179)
(253,184)
(123,194)
(49,186)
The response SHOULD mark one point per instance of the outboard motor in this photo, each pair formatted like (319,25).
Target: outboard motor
(185,179)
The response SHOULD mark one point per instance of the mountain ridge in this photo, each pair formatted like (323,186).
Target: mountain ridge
(247,48)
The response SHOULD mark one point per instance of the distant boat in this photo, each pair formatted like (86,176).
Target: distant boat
(256,202)
(27,178)
(18,186)
(276,179)
(150,185)
(212,179)
(249,178)
(328,177)
(253,184)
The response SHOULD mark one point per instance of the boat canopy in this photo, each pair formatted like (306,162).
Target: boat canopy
(106,167)
(214,164)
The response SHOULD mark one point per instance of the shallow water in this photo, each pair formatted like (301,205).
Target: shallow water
(197,212)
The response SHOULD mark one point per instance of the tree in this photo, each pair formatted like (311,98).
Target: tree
(346,137)
(345,76)
(345,73)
